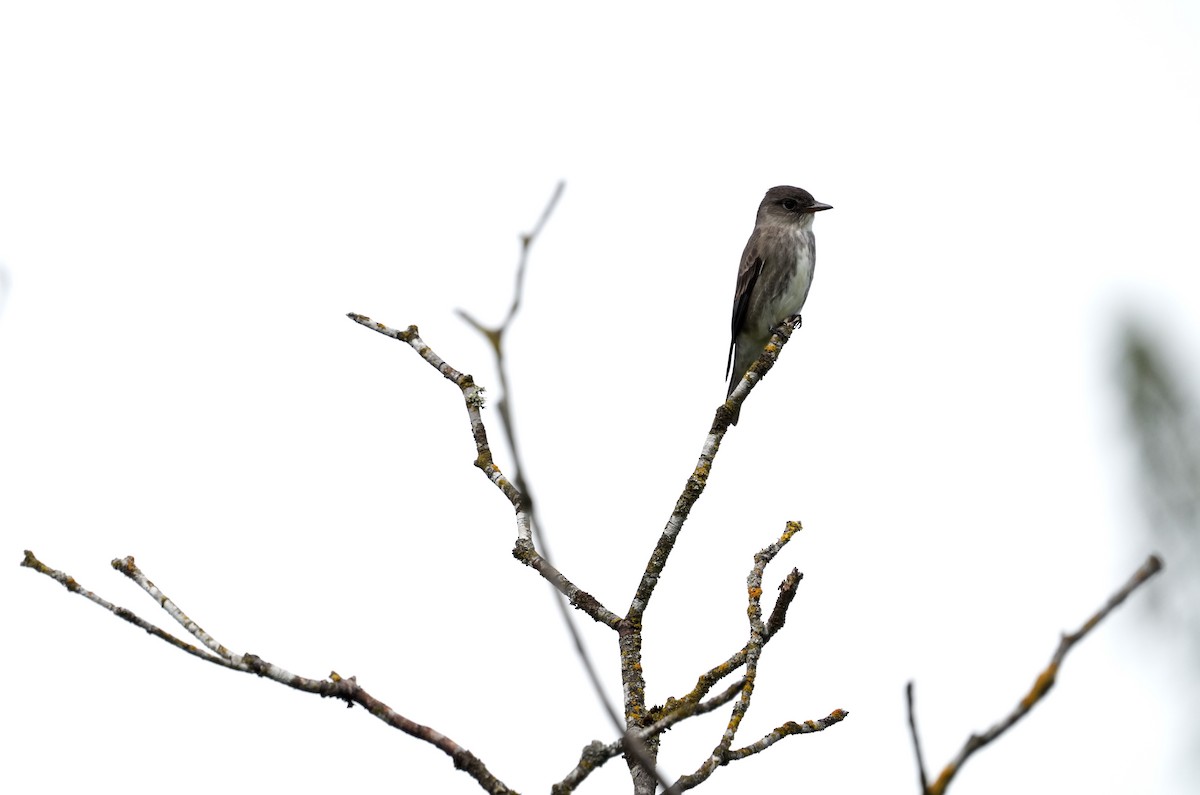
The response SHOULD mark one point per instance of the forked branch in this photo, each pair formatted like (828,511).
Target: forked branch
(210,650)
(1041,686)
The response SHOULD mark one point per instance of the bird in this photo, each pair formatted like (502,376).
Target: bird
(774,277)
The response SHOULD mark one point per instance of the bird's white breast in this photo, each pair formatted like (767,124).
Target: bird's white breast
(797,290)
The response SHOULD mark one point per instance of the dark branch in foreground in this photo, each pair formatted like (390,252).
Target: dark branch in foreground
(916,739)
(1041,685)
(346,689)
(495,338)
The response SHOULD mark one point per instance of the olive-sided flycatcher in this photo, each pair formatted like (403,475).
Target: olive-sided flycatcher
(774,277)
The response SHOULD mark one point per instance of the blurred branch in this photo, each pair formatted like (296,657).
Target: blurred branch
(1041,686)
(495,337)
(346,689)
(597,753)
(916,739)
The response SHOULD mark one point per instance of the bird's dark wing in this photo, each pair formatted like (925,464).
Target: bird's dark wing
(748,273)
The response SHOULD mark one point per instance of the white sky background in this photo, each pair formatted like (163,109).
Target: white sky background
(192,198)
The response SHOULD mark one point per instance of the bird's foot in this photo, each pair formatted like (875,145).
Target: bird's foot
(793,320)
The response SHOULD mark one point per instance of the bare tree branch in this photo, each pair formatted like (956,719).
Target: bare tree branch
(699,477)
(1041,685)
(495,336)
(642,727)
(787,592)
(787,730)
(630,633)
(709,679)
(596,753)
(722,755)
(346,689)
(524,550)
(473,398)
(678,710)
(916,739)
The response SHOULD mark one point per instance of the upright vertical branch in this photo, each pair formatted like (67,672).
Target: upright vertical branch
(632,677)
(495,338)
(916,738)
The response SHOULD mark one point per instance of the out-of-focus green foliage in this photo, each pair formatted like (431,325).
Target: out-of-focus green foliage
(1164,426)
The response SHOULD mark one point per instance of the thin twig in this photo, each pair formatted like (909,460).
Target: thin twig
(346,689)
(517,490)
(495,337)
(68,582)
(1045,679)
(916,739)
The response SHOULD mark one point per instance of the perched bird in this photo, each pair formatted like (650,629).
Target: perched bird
(774,277)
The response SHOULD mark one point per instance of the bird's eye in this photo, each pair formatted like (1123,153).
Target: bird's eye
(789,204)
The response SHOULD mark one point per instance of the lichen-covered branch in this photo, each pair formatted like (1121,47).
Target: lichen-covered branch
(524,550)
(699,477)
(722,753)
(346,689)
(786,730)
(630,633)
(69,582)
(1041,685)
(709,679)
(597,753)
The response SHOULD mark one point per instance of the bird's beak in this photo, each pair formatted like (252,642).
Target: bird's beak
(818,207)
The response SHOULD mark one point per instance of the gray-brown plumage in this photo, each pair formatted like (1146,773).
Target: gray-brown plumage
(775,274)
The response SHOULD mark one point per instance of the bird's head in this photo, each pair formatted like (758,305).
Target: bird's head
(785,204)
